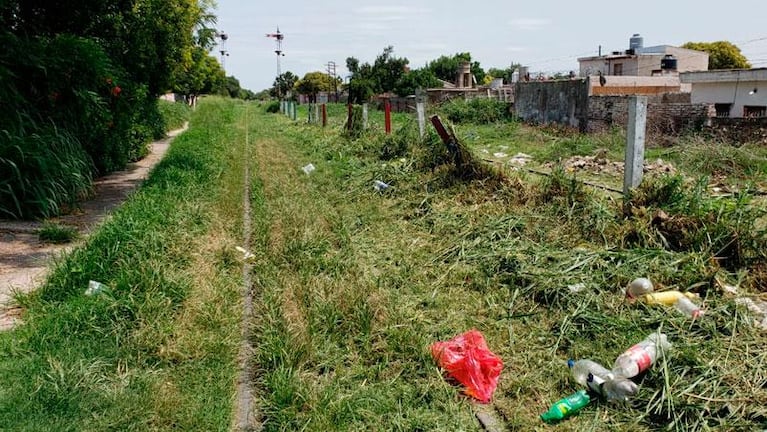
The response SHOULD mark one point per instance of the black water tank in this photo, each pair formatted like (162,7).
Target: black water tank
(668,62)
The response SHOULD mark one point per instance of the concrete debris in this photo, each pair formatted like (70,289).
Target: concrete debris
(520,159)
(598,164)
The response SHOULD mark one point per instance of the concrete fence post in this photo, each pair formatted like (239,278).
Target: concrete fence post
(419,109)
(364,116)
(635,140)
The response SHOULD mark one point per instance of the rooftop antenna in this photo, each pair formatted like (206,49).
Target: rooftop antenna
(278,37)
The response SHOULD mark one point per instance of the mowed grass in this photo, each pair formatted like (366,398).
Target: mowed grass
(158,349)
(353,285)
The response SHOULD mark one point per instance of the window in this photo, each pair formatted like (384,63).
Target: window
(754,111)
(618,69)
(723,109)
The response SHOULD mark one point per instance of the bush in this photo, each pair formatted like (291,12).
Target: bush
(273,107)
(174,114)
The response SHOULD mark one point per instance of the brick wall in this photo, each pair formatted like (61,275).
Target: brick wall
(666,114)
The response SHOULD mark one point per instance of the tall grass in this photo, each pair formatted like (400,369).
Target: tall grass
(174,114)
(355,284)
(157,350)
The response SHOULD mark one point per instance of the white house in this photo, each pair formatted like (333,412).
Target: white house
(734,92)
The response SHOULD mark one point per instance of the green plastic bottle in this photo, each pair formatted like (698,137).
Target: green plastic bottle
(566,407)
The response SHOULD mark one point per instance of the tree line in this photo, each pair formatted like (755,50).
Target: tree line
(391,74)
(79,86)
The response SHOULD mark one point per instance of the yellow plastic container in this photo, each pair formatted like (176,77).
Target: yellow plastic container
(667,298)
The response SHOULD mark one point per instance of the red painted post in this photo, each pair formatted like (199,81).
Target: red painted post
(387,116)
(324,116)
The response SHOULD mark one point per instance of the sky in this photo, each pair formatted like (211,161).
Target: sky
(546,36)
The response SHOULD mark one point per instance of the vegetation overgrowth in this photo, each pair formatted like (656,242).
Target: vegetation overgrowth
(357,283)
(157,349)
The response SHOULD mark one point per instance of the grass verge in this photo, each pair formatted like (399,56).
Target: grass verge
(157,350)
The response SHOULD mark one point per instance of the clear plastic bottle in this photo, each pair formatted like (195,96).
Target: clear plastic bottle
(581,370)
(639,287)
(566,407)
(687,307)
(616,389)
(641,356)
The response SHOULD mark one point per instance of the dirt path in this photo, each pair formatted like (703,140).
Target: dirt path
(24,260)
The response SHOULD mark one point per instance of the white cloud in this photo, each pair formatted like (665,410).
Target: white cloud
(530,23)
(516,48)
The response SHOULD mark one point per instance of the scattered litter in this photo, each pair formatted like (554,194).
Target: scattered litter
(566,407)
(758,309)
(667,298)
(576,288)
(641,356)
(380,186)
(246,255)
(639,287)
(95,287)
(602,381)
(467,359)
(500,155)
(308,168)
(687,307)
(520,159)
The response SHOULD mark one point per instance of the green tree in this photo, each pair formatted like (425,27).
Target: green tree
(721,54)
(382,76)
(313,83)
(419,78)
(202,76)
(283,84)
(503,73)
(446,68)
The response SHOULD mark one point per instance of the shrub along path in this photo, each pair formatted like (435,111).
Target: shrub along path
(24,259)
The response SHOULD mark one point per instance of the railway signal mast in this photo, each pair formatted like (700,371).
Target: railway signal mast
(278,37)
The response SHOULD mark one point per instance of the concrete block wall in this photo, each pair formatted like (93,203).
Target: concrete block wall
(563,102)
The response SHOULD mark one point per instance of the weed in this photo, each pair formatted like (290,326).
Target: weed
(55,233)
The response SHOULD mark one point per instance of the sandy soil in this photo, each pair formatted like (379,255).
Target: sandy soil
(24,260)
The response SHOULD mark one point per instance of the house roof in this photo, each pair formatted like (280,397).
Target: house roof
(724,75)
(652,50)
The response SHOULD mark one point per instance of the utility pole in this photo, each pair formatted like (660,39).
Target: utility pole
(332,74)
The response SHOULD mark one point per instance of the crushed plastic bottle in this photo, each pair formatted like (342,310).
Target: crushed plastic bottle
(581,370)
(617,389)
(308,168)
(639,287)
(687,307)
(667,298)
(566,407)
(95,287)
(380,186)
(641,356)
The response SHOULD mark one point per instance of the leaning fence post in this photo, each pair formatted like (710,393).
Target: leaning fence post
(635,139)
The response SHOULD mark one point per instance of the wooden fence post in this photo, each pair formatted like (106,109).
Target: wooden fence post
(324,115)
(387,116)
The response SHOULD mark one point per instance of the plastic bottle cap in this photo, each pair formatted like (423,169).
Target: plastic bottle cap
(570,363)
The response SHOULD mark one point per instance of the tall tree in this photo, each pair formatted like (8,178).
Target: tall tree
(382,76)
(721,54)
(446,67)
(283,84)
(313,83)
(419,78)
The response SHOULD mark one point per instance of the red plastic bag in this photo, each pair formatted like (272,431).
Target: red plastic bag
(467,358)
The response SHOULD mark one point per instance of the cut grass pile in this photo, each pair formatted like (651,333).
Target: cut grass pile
(157,350)
(355,284)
